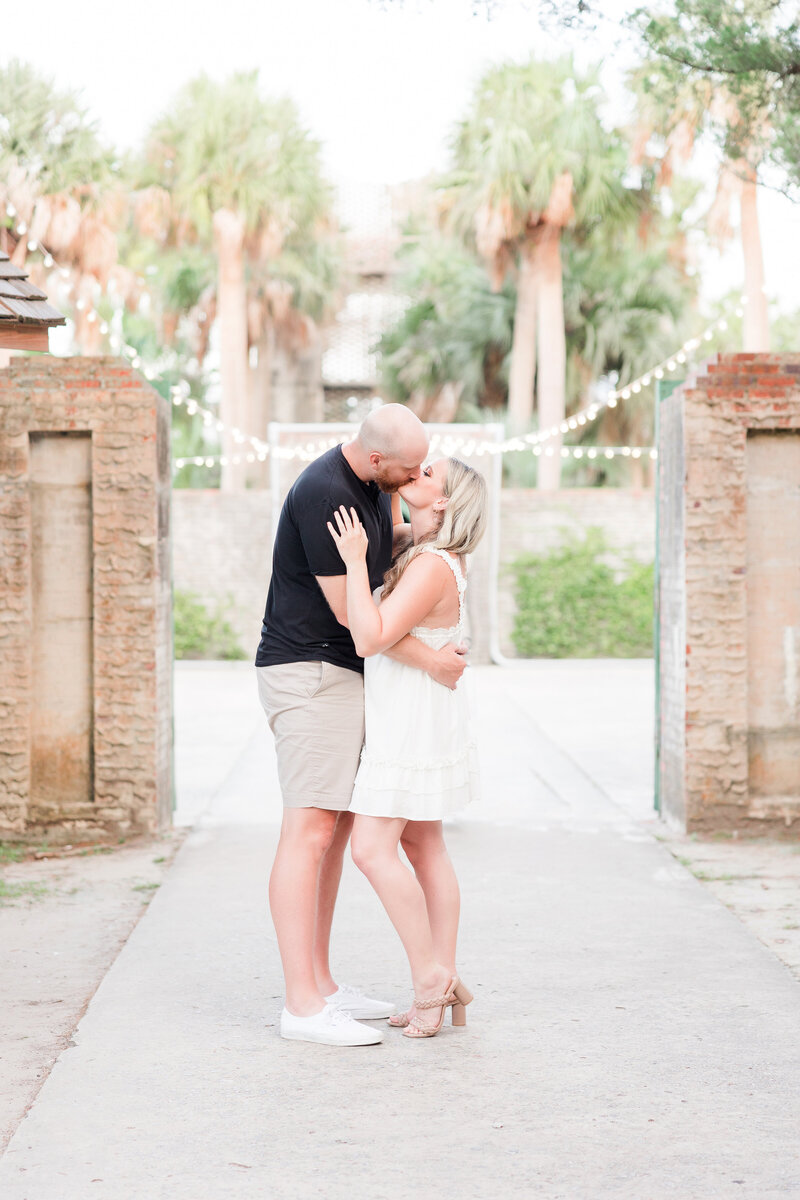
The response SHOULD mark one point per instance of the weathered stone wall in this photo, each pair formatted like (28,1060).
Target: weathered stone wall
(737,488)
(221,546)
(121,493)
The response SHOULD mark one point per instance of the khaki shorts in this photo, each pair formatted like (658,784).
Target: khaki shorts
(316,712)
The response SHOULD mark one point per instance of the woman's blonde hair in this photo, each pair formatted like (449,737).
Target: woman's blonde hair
(463,520)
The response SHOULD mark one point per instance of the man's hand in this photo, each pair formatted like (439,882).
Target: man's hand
(448,665)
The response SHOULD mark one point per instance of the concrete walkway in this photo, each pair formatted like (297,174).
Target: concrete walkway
(629,1037)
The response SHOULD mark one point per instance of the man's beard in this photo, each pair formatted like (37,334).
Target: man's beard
(387,485)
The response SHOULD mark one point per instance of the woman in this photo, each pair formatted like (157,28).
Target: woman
(413,775)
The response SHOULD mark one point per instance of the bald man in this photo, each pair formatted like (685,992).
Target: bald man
(311,684)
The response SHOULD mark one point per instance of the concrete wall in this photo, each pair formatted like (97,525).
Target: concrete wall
(221,552)
(85,601)
(535,522)
(729,473)
(222,546)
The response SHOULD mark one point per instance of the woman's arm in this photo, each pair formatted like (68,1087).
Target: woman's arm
(422,584)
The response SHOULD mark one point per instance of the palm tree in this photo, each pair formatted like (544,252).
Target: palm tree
(449,347)
(680,111)
(59,190)
(531,159)
(628,301)
(242,175)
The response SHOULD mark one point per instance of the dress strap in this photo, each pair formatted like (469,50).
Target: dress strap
(455,567)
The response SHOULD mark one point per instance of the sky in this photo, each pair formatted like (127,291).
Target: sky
(379,85)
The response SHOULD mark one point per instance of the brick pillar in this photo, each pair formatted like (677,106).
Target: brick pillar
(85,601)
(729,553)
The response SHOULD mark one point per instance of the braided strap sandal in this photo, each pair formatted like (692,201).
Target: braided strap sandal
(456,997)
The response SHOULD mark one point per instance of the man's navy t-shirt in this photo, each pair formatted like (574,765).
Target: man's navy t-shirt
(299,625)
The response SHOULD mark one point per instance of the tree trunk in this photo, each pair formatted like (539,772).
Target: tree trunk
(756,319)
(296,388)
(552,380)
(445,407)
(232,316)
(523,346)
(259,403)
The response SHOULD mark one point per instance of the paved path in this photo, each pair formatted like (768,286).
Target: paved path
(629,1037)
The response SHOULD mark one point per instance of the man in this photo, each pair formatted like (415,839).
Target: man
(312,688)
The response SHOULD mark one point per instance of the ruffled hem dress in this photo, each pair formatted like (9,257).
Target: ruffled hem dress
(420,760)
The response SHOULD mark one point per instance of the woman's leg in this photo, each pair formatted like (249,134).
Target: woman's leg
(423,842)
(306,834)
(374,844)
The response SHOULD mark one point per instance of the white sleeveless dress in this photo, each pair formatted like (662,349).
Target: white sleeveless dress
(420,760)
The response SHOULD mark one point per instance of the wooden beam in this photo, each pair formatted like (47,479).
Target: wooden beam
(23,337)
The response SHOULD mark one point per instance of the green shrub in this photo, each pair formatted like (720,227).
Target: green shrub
(200,633)
(572,604)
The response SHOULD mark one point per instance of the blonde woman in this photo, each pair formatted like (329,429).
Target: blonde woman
(419,761)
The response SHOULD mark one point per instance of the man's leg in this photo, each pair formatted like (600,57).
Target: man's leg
(330,873)
(306,835)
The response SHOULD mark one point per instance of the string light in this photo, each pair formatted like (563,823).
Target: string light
(532,441)
(308,453)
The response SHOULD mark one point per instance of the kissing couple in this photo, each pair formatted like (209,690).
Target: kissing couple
(358,666)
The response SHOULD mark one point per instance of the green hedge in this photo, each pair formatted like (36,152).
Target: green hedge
(200,633)
(571,604)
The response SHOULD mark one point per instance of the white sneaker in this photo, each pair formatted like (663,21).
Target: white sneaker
(331,1027)
(360,1007)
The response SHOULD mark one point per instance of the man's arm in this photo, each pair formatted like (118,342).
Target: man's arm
(397,510)
(445,666)
(334,589)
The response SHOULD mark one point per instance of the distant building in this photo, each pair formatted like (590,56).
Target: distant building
(373,218)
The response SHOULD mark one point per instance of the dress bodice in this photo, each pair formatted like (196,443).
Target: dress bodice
(437,638)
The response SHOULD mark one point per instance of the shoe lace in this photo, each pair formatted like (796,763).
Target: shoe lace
(352,993)
(337,1017)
